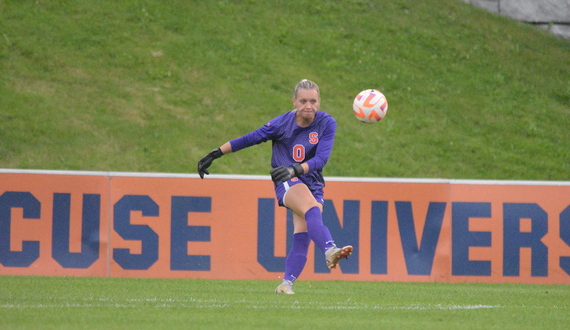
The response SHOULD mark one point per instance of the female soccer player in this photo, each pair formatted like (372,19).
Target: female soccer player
(302,143)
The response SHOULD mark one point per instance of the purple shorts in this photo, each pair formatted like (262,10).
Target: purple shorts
(281,189)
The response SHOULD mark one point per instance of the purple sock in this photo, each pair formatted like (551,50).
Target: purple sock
(318,232)
(297,257)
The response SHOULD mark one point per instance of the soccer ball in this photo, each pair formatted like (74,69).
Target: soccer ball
(370,106)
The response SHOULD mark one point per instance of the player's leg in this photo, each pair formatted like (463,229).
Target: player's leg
(295,262)
(297,256)
(304,206)
(302,202)
(308,224)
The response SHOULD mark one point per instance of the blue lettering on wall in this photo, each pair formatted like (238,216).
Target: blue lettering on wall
(379,238)
(266,235)
(419,260)
(182,233)
(145,234)
(31,210)
(89,231)
(565,236)
(514,239)
(462,239)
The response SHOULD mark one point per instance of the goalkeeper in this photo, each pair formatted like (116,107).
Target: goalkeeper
(302,144)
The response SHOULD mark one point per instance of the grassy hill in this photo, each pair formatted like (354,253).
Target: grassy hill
(152,85)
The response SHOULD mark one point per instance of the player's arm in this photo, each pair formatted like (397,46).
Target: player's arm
(226,148)
(258,136)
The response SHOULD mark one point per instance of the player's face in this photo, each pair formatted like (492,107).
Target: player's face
(307,103)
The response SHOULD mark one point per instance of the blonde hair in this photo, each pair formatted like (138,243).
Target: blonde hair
(306,84)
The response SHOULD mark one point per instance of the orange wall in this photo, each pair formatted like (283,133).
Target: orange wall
(229,227)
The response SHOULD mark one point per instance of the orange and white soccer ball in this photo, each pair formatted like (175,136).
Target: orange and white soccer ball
(370,106)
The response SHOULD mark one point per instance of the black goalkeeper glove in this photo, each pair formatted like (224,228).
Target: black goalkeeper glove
(207,160)
(284,173)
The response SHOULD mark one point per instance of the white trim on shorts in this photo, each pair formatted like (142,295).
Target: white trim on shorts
(287,187)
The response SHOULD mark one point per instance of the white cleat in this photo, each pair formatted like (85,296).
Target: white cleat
(285,287)
(334,254)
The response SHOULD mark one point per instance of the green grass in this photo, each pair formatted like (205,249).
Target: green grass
(111,303)
(152,86)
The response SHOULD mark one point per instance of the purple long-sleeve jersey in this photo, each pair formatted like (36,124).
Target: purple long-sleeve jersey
(294,144)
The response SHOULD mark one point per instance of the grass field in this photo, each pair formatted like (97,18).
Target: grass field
(111,303)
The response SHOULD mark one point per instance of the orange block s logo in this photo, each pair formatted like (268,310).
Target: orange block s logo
(313,138)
